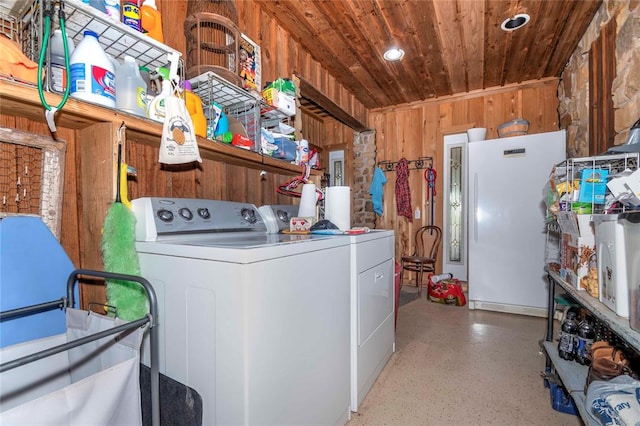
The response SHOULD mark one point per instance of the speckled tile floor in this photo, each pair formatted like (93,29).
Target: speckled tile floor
(453,366)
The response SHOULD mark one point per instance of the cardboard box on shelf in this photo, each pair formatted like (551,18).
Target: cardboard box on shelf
(282,101)
(283,85)
(577,250)
(236,127)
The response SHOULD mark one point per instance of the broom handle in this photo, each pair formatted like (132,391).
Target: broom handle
(118,199)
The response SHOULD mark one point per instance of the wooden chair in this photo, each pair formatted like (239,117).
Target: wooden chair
(425,254)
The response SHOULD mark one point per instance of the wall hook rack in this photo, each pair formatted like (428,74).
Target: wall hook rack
(418,164)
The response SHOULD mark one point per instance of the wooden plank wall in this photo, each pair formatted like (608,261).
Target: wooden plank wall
(418,130)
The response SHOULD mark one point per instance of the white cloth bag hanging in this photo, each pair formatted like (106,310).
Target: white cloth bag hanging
(93,384)
(178,144)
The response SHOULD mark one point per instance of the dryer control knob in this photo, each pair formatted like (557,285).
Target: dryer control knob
(204,213)
(249,215)
(185,213)
(165,215)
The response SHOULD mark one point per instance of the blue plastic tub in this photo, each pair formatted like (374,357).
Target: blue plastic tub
(561,400)
(286,149)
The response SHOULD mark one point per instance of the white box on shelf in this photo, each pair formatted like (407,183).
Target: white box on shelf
(610,252)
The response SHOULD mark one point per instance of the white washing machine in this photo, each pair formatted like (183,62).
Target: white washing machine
(257,323)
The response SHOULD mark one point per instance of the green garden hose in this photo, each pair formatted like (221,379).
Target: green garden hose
(48,12)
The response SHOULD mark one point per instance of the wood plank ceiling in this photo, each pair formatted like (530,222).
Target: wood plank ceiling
(451,46)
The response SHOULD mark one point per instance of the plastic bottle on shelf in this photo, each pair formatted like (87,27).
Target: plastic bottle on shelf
(568,336)
(156,109)
(131,14)
(131,89)
(57,71)
(194,106)
(151,20)
(113,9)
(92,74)
(96,4)
(145,74)
(586,334)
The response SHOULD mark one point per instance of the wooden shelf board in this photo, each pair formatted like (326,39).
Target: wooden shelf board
(22,100)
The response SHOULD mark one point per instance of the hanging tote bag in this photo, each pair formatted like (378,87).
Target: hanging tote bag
(178,144)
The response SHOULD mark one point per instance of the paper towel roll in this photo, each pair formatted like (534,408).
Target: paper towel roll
(308,200)
(337,207)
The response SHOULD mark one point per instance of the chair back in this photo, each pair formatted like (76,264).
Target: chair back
(427,243)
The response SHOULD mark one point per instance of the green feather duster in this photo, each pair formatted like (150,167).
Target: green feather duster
(120,256)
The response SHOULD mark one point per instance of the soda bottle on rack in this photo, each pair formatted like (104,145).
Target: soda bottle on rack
(585,336)
(568,336)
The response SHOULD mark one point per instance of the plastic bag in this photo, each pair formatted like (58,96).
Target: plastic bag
(178,144)
(448,292)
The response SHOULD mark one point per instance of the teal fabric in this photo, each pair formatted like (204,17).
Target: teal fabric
(376,190)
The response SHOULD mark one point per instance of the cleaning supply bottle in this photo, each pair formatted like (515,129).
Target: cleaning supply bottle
(113,9)
(146,76)
(131,14)
(131,89)
(151,20)
(194,106)
(96,4)
(156,109)
(92,73)
(57,70)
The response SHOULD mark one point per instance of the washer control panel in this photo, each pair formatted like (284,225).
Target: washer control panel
(277,217)
(157,216)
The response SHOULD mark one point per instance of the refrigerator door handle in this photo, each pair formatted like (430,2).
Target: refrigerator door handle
(475,207)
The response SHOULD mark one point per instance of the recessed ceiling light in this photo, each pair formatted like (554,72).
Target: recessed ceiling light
(393,54)
(518,21)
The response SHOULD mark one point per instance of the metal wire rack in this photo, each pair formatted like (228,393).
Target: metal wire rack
(116,38)
(253,112)
(571,172)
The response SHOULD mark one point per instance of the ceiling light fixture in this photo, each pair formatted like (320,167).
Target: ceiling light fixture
(518,21)
(393,54)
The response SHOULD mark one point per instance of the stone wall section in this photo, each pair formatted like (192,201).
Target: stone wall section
(573,91)
(364,153)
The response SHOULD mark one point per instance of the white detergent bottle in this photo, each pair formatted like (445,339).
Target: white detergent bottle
(131,89)
(57,72)
(92,73)
(156,109)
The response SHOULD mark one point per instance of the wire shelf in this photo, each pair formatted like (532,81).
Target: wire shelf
(253,112)
(571,170)
(116,38)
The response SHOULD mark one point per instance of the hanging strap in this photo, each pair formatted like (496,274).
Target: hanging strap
(430,175)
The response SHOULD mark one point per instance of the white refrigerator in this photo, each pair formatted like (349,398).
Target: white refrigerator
(507,230)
